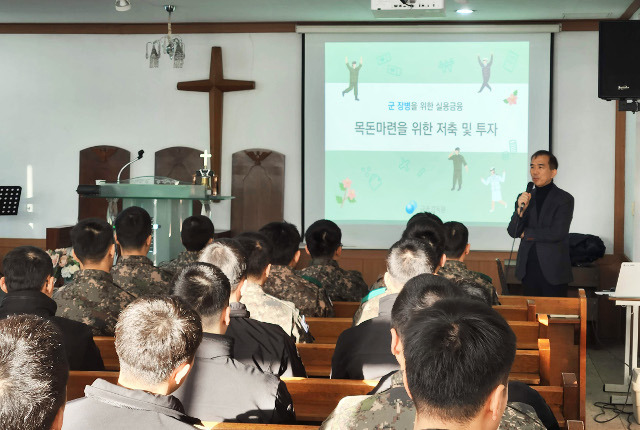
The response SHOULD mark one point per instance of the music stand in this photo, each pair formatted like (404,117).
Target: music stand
(9,199)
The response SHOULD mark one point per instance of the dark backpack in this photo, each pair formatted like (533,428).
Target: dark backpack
(585,248)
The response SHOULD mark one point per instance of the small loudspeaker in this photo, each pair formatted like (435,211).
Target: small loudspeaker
(618,63)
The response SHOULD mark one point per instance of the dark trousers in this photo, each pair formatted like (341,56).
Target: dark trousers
(534,282)
(457,177)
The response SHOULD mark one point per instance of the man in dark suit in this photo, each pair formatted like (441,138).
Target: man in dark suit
(28,282)
(542,219)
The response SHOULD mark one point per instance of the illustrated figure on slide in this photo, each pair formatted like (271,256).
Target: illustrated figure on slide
(354,71)
(496,187)
(458,163)
(485,65)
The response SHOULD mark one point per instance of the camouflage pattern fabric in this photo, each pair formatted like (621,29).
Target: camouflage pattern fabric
(92,298)
(311,300)
(394,409)
(370,308)
(175,266)
(456,271)
(342,285)
(378,284)
(266,308)
(137,275)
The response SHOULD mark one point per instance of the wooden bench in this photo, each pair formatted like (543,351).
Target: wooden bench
(314,399)
(251,426)
(107,347)
(521,311)
(327,330)
(567,336)
(345,309)
(530,366)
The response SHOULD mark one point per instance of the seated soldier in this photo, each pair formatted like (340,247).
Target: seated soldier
(283,283)
(92,297)
(156,341)
(134,271)
(363,351)
(260,305)
(221,388)
(197,232)
(472,374)
(257,343)
(457,248)
(28,283)
(423,228)
(33,374)
(323,243)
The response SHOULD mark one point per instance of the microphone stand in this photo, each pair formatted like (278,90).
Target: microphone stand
(128,164)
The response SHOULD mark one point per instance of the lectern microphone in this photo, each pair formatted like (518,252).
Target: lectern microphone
(140,153)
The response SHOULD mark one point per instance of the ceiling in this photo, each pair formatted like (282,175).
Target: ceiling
(151,11)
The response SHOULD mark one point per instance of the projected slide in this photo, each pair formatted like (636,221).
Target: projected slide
(425,126)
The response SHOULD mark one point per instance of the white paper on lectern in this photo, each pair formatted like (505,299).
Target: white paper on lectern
(628,285)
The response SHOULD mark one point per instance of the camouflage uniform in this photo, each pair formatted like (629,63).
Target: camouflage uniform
(340,284)
(456,271)
(137,275)
(393,409)
(266,308)
(92,298)
(175,266)
(310,299)
(378,284)
(370,307)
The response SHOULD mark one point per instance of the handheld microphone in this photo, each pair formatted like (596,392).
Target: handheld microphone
(530,187)
(140,153)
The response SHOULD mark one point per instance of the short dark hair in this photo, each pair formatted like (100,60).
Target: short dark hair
(456,239)
(155,335)
(229,256)
(424,215)
(133,227)
(475,291)
(429,231)
(553,161)
(411,257)
(33,373)
(91,239)
(258,249)
(26,268)
(205,287)
(323,238)
(197,230)
(285,238)
(456,352)
(420,292)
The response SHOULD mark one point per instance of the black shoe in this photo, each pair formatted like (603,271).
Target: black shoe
(453,188)
(458,188)
(357,100)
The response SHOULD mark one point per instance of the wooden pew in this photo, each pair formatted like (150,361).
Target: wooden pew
(345,309)
(530,366)
(327,330)
(567,336)
(521,311)
(107,347)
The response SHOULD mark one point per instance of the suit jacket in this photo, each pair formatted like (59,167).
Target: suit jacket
(364,351)
(82,352)
(220,388)
(549,233)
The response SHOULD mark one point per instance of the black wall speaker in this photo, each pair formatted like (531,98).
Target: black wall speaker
(618,60)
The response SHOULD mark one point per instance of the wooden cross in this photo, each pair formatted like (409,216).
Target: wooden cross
(216,86)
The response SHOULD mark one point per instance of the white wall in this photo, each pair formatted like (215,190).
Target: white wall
(583,134)
(63,93)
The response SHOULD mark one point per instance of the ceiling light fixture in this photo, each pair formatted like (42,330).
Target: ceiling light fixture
(465,11)
(123,5)
(171,45)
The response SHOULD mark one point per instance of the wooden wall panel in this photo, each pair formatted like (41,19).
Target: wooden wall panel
(7,245)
